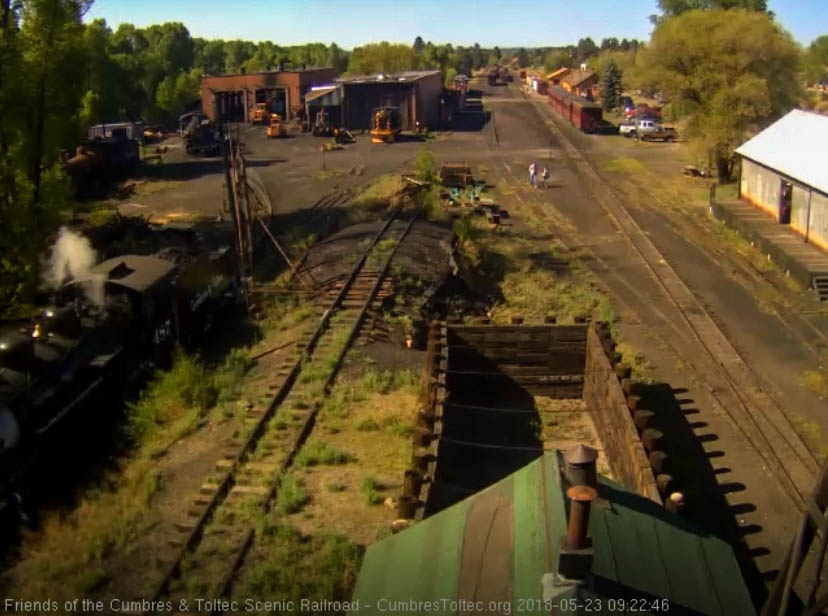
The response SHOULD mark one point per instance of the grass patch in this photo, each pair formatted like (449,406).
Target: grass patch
(368,424)
(634,359)
(380,192)
(327,174)
(816,381)
(625,165)
(101,216)
(318,453)
(812,433)
(293,567)
(386,381)
(370,488)
(292,496)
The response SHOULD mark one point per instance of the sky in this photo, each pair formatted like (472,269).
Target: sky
(350,23)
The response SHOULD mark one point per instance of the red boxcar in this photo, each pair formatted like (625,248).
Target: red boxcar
(580,112)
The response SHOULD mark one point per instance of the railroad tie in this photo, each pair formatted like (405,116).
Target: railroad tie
(256,490)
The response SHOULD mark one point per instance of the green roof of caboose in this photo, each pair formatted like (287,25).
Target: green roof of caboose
(496,546)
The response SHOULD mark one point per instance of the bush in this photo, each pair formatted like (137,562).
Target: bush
(186,386)
(425,168)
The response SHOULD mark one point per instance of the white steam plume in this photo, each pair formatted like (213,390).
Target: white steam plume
(71,259)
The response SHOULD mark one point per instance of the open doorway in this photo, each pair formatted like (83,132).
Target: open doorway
(785,200)
(278,102)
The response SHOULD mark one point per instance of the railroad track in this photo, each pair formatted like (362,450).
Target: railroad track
(735,388)
(220,528)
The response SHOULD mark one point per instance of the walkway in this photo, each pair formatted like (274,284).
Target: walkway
(806,263)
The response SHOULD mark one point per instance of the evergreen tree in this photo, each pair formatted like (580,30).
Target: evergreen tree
(419,44)
(611,87)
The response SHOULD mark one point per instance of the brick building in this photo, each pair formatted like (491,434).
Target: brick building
(232,97)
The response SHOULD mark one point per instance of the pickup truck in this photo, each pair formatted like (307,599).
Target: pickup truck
(647,130)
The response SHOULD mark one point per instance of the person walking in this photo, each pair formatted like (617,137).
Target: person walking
(545,175)
(532,175)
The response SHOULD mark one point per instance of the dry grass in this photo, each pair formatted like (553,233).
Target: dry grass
(625,165)
(379,192)
(370,417)
(816,381)
(812,433)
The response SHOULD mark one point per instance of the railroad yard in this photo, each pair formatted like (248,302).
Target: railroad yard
(401,355)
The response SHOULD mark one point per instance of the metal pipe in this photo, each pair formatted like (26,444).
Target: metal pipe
(581,498)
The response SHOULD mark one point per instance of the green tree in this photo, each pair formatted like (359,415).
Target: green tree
(556,59)
(733,71)
(419,44)
(815,60)
(586,47)
(382,57)
(337,58)
(522,57)
(477,57)
(451,73)
(611,87)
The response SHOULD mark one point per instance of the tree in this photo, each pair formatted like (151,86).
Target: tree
(337,58)
(382,57)
(210,56)
(733,71)
(672,8)
(419,44)
(611,87)
(497,54)
(609,43)
(586,48)
(477,57)
(522,58)
(815,60)
(556,59)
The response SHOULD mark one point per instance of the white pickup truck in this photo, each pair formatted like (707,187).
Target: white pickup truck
(647,130)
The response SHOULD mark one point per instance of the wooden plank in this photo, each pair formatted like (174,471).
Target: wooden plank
(530,553)
(486,563)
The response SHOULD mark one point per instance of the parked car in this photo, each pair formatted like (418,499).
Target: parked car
(647,129)
(627,103)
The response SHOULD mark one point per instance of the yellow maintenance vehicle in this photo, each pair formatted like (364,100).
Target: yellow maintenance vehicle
(259,115)
(385,125)
(275,128)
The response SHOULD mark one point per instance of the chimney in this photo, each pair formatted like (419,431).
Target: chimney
(579,466)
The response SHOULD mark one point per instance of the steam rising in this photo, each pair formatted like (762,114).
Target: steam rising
(71,259)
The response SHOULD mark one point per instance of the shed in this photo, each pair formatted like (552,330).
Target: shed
(489,553)
(784,173)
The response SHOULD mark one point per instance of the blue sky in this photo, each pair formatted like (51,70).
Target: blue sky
(488,22)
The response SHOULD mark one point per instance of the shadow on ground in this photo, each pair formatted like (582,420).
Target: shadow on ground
(697,472)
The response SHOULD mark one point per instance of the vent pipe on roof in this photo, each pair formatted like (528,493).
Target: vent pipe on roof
(580,466)
(580,498)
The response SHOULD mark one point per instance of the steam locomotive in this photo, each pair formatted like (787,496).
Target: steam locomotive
(61,369)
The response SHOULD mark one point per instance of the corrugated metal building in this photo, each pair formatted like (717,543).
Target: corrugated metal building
(497,552)
(784,172)
(351,102)
(233,97)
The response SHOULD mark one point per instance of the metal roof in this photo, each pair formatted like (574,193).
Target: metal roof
(795,145)
(497,545)
(315,93)
(135,272)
